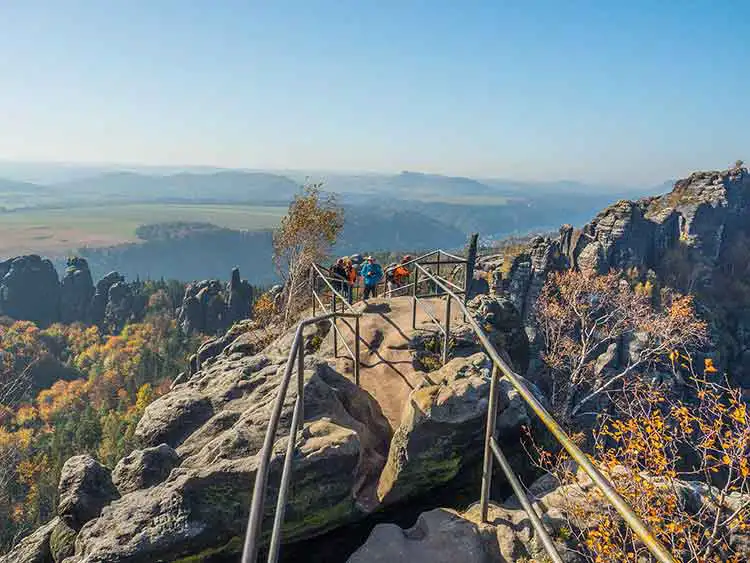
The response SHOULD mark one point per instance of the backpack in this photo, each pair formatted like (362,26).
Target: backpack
(390,270)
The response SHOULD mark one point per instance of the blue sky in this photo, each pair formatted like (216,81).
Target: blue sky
(626,91)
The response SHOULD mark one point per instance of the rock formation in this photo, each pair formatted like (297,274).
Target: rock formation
(76,291)
(210,307)
(701,217)
(29,289)
(444,535)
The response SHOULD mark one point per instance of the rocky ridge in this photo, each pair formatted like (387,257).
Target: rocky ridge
(30,289)
(700,217)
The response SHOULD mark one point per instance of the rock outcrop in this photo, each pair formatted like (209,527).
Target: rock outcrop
(85,488)
(144,468)
(211,307)
(76,291)
(34,548)
(29,289)
(215,423)
(700,218)
(442,427)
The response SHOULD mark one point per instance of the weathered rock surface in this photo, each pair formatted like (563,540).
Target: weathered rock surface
(62,541)
(29,289)
(85,488)
(439,536)
(700,218)
(144,468)
(216,423)
(34,548)
(76,291)
(442,427)
(210,307)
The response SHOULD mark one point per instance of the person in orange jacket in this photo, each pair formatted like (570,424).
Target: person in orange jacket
(398,276)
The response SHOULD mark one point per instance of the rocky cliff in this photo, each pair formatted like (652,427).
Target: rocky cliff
(31,289)
(184,494)
(686,238)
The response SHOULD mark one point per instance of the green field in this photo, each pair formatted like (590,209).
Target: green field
(56,231)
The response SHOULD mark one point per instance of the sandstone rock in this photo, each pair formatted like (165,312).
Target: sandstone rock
(442,427)
(34,548)
(119,309)
(76,291)
(201,505)
(503,324)
(30,290)
(62,541)
(85,487)
(99,302)
(144,468)
(240,298)
(439,536)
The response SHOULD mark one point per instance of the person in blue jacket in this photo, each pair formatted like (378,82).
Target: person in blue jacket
(371,274)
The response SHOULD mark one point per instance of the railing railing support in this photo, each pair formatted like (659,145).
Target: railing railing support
(536,522)
(286,474)
(334,328)
(356,350)
(447,335)
(414,299)
(489,433)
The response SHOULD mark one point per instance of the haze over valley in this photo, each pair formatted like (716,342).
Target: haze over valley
(207,220)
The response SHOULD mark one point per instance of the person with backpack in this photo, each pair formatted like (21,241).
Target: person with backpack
(340,278)
(397,275)
(351,277)
(371,274)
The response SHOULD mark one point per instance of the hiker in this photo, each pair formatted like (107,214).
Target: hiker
(339,281)
(351,278)
(397,275)
(371,273)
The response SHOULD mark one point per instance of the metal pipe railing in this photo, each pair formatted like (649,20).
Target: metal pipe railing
(255,518)
(636,524)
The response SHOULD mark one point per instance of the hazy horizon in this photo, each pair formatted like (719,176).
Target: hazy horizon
(629,93)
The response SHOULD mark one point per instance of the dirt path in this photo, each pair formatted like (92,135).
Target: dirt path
(386,369)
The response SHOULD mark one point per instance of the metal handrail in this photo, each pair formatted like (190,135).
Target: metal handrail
(255,518)
(336,332)
(636,524)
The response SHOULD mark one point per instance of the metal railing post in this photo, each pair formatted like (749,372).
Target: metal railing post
(286,474)
(536,522)
(312,289)
(447,335)
(414,298)
(335,329)
(484,499)
(356,350)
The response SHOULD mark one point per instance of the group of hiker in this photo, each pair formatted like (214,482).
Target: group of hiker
(347,272)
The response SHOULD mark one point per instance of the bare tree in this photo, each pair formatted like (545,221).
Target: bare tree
(580,315)
(305,236)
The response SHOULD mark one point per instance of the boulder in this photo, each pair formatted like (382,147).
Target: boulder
(85,488)
(442,427)
(144,468)
(30,290)
(34,548)
(439,536)
(76,291)
(216,422)
(62,541)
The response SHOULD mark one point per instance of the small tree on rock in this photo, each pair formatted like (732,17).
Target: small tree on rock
(305,236)
(583,319)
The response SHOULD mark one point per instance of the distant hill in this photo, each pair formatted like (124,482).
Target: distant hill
(224,186)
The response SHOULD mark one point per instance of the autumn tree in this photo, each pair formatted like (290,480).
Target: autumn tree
(681,460)
(305,236)
(586,321)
